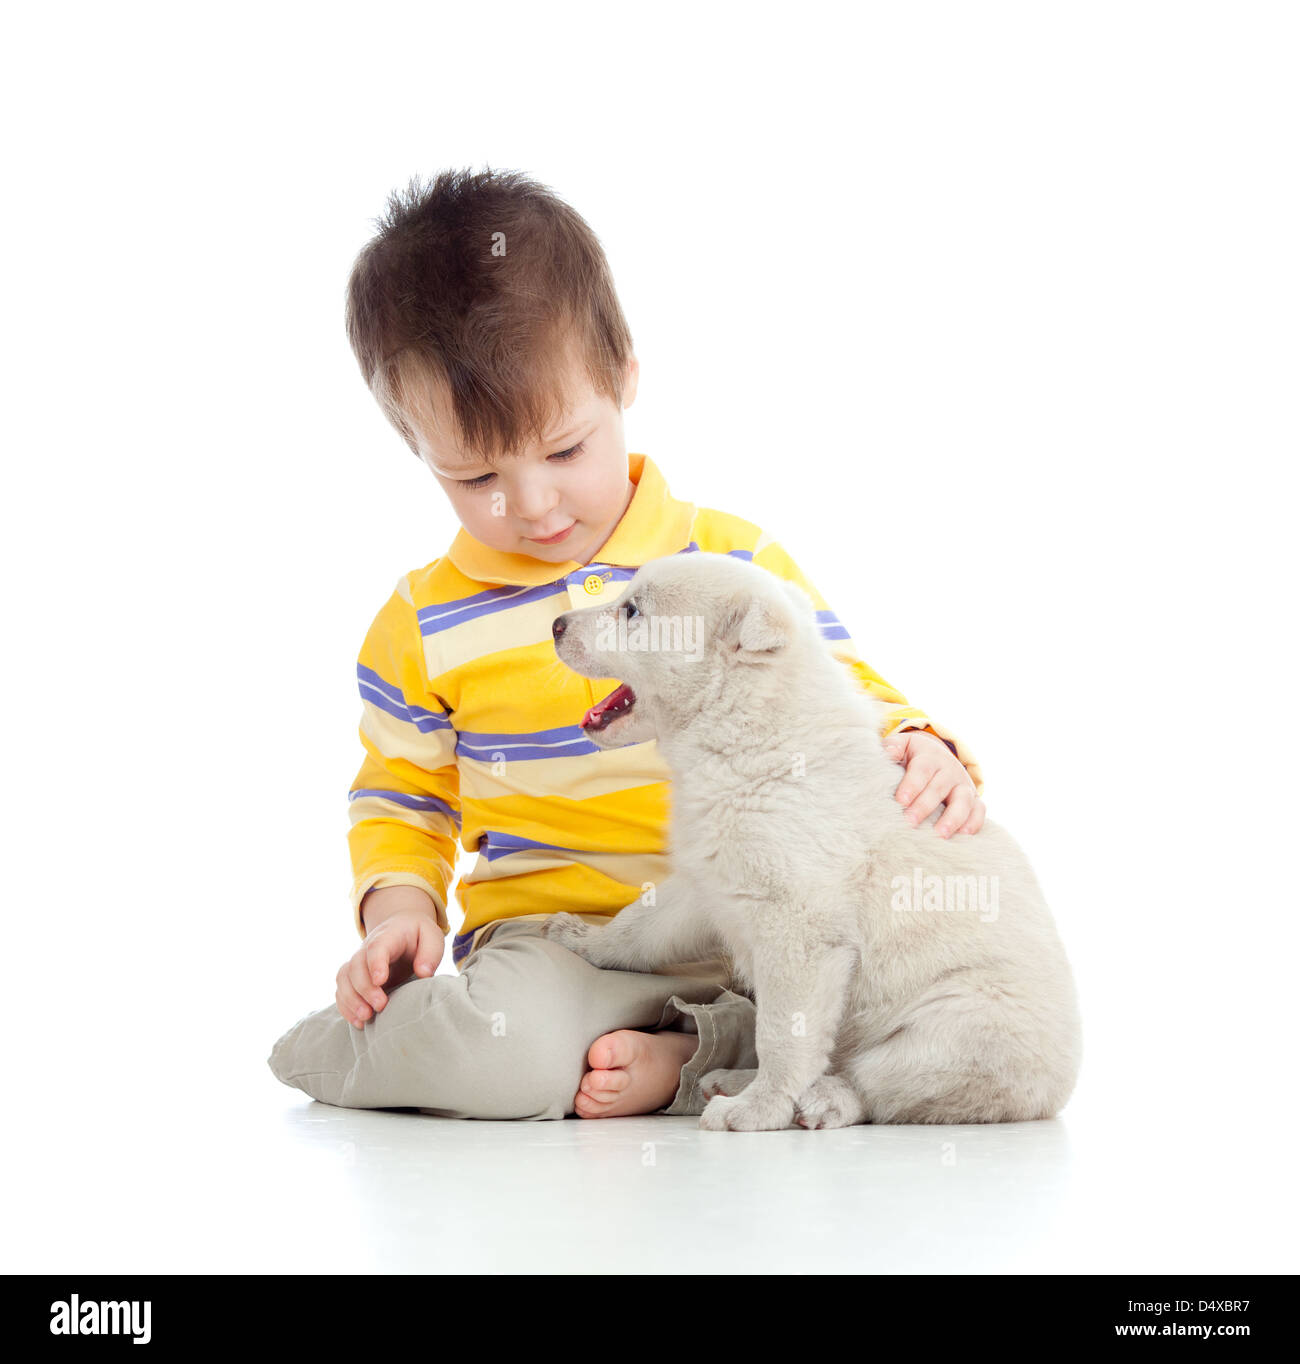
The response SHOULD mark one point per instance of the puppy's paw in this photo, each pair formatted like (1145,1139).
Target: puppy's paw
(828,1102)
(761,1113)
(728,1082)
(569,931)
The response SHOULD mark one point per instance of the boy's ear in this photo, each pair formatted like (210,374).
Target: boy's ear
(755,626)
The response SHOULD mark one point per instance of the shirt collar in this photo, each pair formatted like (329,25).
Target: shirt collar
(654,524)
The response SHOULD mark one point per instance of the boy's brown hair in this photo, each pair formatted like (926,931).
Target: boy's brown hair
(477,292)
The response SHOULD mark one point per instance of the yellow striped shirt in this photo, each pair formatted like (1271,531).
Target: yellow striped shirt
(470,725)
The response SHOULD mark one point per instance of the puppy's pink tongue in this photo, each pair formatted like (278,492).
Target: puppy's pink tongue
(603,711)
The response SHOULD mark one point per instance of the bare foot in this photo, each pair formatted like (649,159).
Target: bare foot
(632,1072)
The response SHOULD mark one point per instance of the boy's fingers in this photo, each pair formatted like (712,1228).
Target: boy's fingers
(899,746)
(919,774)
(930,798)
(426,949)
(976,821)
(959,806)
(377,959)
(363,982)
(350,1004)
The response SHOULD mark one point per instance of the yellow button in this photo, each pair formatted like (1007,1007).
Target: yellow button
(594,584)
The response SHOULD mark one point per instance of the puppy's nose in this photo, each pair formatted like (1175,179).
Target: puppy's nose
(557,626)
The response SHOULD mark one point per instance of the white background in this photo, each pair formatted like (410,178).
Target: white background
(987,311)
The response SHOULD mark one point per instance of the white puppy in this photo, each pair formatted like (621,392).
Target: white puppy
(898,977)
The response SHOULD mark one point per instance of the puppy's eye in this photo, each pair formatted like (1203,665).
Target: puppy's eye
(630,609)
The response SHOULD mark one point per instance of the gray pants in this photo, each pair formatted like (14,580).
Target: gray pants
(508,1036)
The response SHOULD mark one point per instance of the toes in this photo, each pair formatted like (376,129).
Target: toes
(613,1050)
(590,1106)
(605,1082)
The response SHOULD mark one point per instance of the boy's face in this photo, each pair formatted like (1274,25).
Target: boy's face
(574,486)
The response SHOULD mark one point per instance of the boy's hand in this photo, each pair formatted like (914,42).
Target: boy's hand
(933,776)
(403,939)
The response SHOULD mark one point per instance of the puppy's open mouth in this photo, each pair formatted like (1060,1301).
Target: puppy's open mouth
(617,703)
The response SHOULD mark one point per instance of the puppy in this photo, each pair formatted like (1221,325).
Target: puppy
(879,998)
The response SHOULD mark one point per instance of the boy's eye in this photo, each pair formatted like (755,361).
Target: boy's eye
(484,479)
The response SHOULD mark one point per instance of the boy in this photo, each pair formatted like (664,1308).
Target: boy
(486,324)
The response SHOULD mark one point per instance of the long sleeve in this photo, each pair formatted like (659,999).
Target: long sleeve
(900,714)
(404,804)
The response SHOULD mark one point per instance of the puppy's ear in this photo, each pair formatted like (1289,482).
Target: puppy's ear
(755,626)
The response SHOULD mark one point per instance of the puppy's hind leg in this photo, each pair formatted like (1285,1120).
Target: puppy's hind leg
(961,1058)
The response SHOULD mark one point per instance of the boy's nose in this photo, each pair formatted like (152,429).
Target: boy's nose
(557,626)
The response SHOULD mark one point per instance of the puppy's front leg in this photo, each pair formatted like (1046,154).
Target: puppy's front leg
(669,926)
(801,989)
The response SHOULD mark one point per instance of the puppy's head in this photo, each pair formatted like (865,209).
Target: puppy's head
(682,630)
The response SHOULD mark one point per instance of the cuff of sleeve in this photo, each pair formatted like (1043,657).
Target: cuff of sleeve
(399,877)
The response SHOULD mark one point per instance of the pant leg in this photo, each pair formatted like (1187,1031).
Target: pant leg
(507,1037)
(725,1026)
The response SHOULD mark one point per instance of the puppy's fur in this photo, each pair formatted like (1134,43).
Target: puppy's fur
(791,854)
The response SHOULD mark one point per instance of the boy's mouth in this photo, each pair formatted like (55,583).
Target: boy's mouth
(553,539)
(618,702)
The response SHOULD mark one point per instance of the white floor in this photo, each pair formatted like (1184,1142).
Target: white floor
(272,1181)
